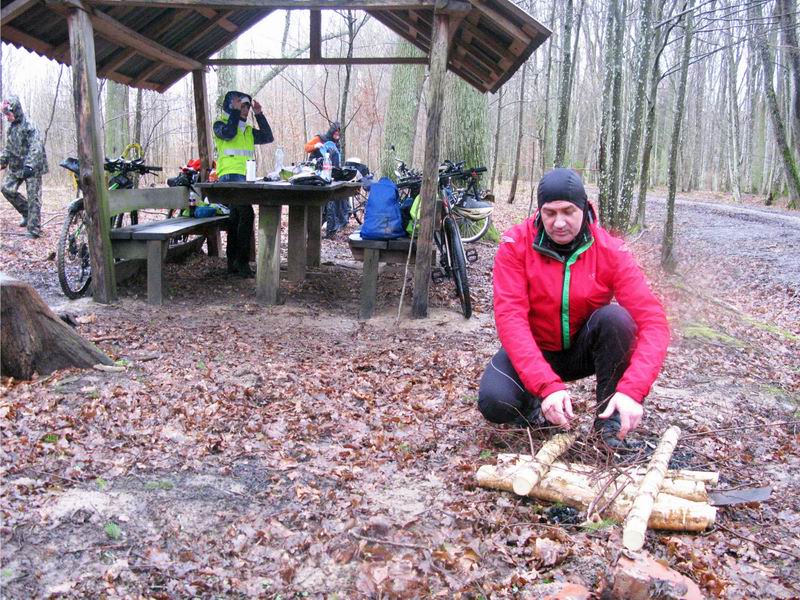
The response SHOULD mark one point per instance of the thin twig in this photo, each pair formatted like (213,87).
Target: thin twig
(389,542)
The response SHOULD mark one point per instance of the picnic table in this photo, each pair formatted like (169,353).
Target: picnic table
(305,204)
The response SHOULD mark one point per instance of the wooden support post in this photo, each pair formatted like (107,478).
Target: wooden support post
(430,173)
(156,251)
(201,118)
(369,283)
(314,236)
(315,35)
(90,154)
(269,254)
(297,242)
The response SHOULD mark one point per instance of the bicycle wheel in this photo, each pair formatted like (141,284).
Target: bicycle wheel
(458,266)
(72,255)
(472,231)
(357,204)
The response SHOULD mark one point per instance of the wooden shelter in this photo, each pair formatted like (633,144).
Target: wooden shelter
(152,44)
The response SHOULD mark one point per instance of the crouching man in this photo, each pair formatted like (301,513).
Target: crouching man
(555,277)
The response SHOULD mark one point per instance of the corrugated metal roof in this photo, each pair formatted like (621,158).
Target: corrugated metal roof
(490,42)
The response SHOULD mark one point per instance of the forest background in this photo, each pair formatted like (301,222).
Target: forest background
(685,94)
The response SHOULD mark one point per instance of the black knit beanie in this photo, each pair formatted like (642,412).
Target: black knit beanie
(562,184)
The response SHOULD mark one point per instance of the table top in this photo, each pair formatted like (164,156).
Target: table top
(277,193)
(283,186)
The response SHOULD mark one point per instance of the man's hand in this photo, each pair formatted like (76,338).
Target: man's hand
(27,171)
(557,408)
(256,106)
(630,413)
(318,145)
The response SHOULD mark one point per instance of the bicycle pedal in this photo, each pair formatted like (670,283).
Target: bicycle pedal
(438,276)
(471,255)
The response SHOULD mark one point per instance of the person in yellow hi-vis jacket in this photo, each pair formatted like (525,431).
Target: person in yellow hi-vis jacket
(235,141)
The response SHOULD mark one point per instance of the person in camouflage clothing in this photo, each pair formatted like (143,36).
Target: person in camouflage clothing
(26,160)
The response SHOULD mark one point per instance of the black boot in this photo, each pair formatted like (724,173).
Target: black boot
(608,429)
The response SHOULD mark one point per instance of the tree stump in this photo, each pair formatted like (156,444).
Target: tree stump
(33,339)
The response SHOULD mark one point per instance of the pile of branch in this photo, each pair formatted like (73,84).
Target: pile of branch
(654,497)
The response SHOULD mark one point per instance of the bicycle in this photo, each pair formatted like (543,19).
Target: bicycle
(453,258)
(73,261)
(472,211)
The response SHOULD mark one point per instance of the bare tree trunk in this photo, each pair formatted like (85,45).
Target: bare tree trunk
(546,119)
(497,134)
(616,119)
(226,76)
(605,121)
(734,158)
(699,119)
(402,109)
(351,36)
(520,136)
(779,130)
(137,118)
(631,164)
(668,261)
(117,131)
(564,100)
(787,9)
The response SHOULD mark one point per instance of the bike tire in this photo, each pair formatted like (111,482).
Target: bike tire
(458,266)
(71,249)
(357,205)
(471,231)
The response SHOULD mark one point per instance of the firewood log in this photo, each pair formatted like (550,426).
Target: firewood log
(578,490)
(635,527)
(530,473)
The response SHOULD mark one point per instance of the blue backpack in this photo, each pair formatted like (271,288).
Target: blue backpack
(382,220)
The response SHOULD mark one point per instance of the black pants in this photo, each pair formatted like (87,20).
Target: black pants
(603,347)
(240,233)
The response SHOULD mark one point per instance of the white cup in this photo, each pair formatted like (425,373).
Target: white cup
(251,170)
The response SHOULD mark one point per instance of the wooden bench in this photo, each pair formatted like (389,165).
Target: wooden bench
(371,253)
(150,241)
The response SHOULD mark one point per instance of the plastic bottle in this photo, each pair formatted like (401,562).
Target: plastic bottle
(279,159)
(327,167)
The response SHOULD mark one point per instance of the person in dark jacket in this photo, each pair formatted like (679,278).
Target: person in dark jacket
(25,158)
(336,211)
(555,276)
(235,142)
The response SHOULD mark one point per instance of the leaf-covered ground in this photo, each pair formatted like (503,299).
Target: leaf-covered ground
(251,451)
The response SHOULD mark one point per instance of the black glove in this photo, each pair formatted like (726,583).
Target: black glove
(27,171)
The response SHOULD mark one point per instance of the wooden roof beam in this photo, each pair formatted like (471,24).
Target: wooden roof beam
(15,9)
(274,4)
(357,60)
(183,46)
(219,19)
(114,31)
(16,36)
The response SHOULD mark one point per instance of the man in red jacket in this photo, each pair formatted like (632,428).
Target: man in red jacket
(555,277)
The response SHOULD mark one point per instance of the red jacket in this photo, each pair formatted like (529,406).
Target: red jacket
(540,303)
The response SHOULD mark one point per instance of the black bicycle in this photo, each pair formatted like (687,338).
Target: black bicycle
(73,261)
(453,257)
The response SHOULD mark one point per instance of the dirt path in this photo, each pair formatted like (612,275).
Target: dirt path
(271,452)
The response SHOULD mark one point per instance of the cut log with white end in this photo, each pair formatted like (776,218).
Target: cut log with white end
(635,527)
(529,474)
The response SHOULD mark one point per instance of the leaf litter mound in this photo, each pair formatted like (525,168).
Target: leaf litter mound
(263,451)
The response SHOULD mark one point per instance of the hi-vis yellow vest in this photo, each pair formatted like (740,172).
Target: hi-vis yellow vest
(233,154)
